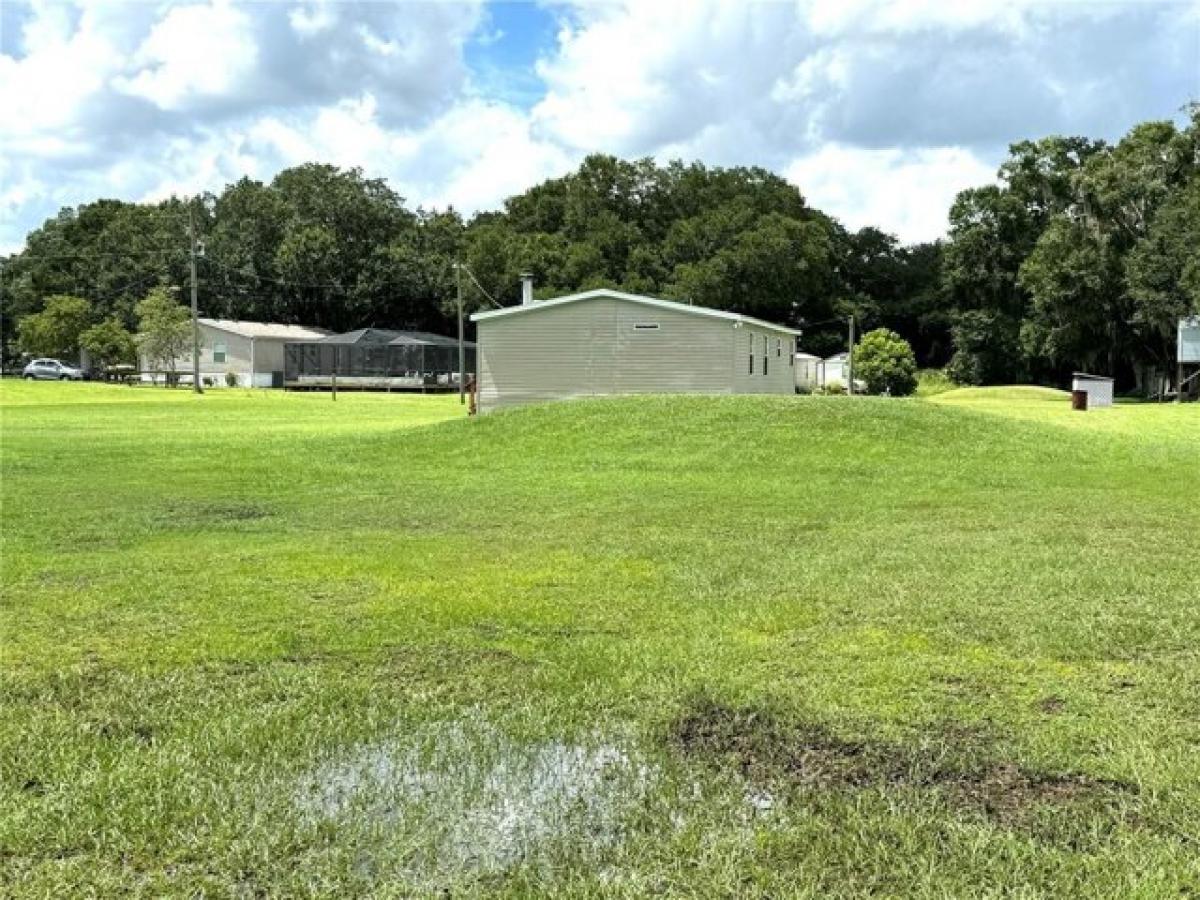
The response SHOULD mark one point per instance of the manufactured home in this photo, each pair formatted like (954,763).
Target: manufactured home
(251,351)
(609,342)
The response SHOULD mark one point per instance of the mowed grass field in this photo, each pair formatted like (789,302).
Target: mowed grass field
(257,644)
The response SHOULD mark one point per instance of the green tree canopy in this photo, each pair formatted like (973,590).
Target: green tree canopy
(164,329)
(741,239)
(1164,268)
(1078,258)
(109,343)
(55,331)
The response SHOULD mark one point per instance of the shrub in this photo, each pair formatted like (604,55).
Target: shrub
(885,362)
(834,387)
(965,368)
(231,379)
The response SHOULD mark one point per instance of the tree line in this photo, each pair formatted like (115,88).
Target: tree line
(1081,255)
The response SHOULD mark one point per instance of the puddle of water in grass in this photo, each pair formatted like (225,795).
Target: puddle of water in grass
(472,800)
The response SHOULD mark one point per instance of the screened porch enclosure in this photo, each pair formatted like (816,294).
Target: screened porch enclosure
(378,359)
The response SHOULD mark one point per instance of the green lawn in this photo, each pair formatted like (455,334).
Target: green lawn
(264,644)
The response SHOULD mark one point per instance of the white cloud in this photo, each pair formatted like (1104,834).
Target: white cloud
(909,190)
(44,91)
(311,19)
(473,157)
(194,52)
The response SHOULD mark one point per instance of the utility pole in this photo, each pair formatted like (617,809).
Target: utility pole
(195,314)
(462,353)
(850,361)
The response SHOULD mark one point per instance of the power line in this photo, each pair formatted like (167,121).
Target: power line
(280,281)
(95,254)
(837,319)
(482,289)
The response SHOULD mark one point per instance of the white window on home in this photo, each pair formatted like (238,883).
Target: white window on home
(219,351)
(645,326)
(766,352)
(792,352)
(779,346)
(752,339)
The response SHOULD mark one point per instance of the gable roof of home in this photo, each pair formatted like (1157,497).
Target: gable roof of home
(273,330)
(654,302)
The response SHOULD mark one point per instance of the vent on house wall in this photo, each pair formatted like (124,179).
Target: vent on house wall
(645,326)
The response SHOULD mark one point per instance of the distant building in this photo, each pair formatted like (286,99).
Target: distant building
(809,371)
(1188,358)
(836,368)
(1189,340)
(252,351)
(609,342)
(814,373)
(1099,389)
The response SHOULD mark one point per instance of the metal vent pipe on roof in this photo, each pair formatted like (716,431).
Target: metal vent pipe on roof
(526,288)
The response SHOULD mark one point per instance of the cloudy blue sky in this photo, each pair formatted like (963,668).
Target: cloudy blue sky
(878,111)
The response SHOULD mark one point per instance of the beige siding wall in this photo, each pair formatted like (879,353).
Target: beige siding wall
(779,349)
(267,355)
(595,347)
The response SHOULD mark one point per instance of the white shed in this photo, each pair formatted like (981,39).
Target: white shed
(1099,388)
(835,368)
(809,370)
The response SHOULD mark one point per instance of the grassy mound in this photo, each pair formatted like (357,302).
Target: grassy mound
(221,612)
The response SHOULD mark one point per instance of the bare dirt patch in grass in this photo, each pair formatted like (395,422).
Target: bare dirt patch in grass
(1052,705)
(961,765)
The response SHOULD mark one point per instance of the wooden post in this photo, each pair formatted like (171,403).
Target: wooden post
(195,314)
(461,351)
(850,362)
(333,382)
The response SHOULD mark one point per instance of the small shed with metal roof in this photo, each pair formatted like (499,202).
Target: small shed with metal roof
(610,342)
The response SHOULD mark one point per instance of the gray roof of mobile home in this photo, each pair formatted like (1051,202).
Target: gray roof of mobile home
(632,298)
